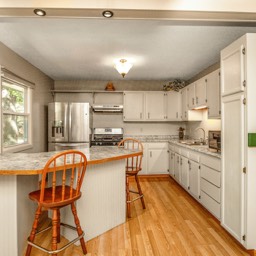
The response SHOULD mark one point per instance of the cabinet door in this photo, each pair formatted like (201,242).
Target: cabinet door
(233,122)
(177,167)
(213,94)
(155,106)
(194,179)
(200,92)
(133,106)
(158,158)
(144,168)
(191,96)
(184,104)
(173,106)
(232,68)
(171,163)
(184,170)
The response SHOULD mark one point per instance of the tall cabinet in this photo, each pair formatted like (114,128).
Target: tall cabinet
(238,91)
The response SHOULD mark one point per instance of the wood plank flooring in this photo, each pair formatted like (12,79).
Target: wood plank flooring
(172,224)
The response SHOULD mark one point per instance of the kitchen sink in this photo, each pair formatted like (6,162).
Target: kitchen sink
(193,143)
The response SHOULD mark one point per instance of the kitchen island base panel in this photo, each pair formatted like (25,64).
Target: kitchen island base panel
(16,213)
(103,203)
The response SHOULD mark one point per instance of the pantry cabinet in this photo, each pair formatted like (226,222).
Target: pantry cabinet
(238,77)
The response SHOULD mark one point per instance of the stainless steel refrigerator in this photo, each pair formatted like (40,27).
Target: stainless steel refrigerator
(69,125)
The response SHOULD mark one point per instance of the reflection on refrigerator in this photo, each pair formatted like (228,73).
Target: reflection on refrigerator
(69,125)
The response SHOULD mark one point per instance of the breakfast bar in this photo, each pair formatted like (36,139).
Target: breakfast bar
(102,206)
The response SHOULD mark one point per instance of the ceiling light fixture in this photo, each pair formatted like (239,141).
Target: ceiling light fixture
(39,12)
(107,14)
(123,67)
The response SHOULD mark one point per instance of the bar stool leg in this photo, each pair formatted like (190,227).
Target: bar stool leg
(78,227)
(58,226)
(128,198)
(54,230)
(140,192)
(33,231)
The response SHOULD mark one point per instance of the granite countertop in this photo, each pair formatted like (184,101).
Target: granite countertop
(174,139)
(33,163)
(152,138)
(198,148)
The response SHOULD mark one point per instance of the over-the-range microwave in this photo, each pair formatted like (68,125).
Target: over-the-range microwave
(214,138)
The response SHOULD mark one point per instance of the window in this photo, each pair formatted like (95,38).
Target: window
(16,116)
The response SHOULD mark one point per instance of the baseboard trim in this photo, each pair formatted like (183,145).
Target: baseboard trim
(154,176)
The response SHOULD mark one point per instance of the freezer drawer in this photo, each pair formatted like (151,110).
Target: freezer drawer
(66,146)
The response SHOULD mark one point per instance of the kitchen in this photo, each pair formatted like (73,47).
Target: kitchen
(42,97)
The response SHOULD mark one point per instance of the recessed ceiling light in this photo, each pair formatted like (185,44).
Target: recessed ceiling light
(107,14)
(39,12)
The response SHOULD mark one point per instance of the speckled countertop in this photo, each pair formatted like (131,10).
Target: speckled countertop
(201,149)
(152,138)
(174,139)
(33,163)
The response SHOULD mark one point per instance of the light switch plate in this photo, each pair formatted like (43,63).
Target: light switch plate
(251,139)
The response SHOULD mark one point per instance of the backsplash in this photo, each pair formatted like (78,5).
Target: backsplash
(206,124)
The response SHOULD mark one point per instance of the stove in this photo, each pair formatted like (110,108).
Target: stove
(107,136)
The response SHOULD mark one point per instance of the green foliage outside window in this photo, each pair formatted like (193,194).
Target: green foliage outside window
(14,125)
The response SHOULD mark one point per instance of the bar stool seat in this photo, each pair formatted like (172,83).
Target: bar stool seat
(132,168)
(65,172)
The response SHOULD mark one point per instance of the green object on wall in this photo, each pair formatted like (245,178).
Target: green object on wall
(251,139)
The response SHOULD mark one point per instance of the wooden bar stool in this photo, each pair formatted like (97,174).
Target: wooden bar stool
(133,166)
(64,172)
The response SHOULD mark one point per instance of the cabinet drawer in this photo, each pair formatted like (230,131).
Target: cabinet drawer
(177,150)
(210,204)
(184,152)
(194,156)
(210,189)
(211,175)
(212,162)
(171,147)
(157,145)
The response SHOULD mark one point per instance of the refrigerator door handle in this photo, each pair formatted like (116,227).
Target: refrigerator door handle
(70,121)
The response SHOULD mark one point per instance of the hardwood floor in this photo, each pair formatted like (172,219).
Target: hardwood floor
(172,224)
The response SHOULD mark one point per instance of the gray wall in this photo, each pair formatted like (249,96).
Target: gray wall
(41,93)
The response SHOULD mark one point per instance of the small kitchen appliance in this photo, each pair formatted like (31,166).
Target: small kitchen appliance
(214,140)
(107,136)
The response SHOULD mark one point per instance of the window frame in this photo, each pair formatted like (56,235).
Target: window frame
(27,112)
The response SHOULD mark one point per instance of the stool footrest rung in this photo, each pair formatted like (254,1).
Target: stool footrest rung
(133,191)
(63,247)
(130,201)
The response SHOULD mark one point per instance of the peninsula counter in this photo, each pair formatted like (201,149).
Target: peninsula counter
(101,207)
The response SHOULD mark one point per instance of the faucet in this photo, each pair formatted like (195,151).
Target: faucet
(201,140)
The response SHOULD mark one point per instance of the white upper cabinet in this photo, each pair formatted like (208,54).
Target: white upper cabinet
(191,95)
(213,94)
(152,106)
(155,106)
(133,106)
(173,102)
(189,115)
(200,92)
(232,69)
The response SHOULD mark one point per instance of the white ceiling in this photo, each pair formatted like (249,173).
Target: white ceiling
(86,48)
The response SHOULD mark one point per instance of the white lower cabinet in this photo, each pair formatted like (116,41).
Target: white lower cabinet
(200,175)
(194,179)
(171,160)
(155,158)
(184,171)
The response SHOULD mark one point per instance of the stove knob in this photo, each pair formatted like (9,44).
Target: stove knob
(100,143)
